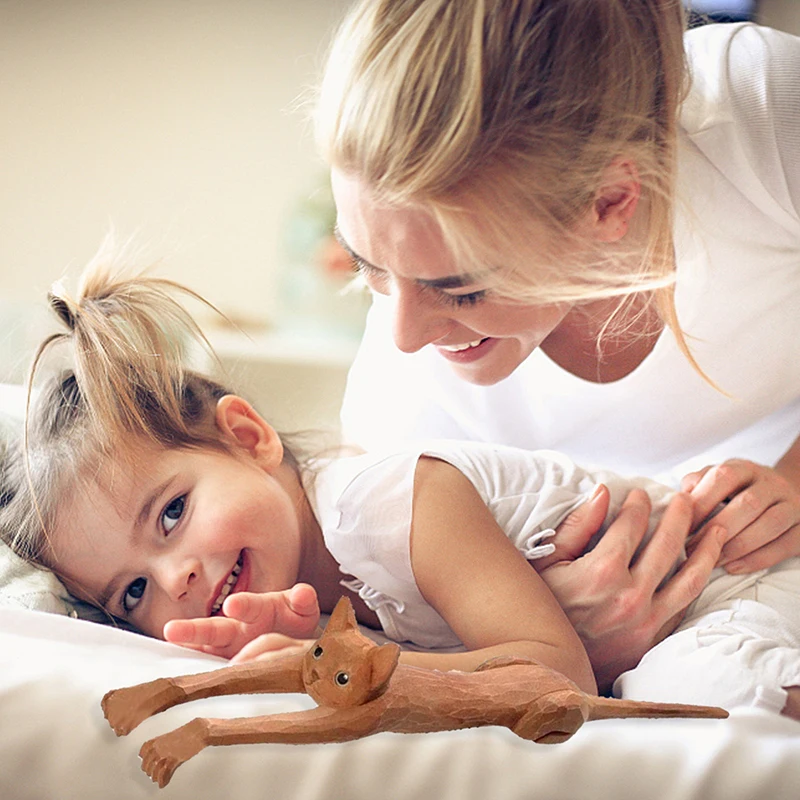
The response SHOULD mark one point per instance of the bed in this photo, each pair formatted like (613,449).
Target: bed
(55,744)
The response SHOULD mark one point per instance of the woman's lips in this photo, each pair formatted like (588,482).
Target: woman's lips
(468,351)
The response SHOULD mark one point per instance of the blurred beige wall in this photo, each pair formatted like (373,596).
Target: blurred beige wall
(781,14)
(171,119)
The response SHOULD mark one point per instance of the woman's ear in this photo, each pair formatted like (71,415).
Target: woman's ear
(616,201)
(240,423)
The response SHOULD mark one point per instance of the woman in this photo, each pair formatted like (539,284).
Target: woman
(570,250)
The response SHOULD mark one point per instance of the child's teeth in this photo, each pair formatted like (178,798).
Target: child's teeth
(227,586)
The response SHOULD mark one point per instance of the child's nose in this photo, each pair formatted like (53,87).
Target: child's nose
(179,577)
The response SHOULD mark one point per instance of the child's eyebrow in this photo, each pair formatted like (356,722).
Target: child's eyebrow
(147,507)
(448,282)
(141,519)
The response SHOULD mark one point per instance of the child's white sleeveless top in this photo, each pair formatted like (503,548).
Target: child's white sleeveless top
(363,504)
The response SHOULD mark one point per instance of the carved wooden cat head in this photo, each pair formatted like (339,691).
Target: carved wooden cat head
(344,667)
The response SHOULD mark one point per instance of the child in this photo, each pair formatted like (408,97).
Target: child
(160,497)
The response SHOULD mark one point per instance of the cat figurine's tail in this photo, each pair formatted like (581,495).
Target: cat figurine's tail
(612,708)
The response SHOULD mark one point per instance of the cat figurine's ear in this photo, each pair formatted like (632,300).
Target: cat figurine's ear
(384,662)
(342,618)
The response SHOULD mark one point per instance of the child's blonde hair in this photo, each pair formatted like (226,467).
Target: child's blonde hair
(500,118)
(127,383)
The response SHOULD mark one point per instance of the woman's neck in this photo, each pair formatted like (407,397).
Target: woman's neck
(586,345)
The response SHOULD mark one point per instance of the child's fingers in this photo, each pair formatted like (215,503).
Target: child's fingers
(268,645)
(294,612)
(303,601)
(214,632)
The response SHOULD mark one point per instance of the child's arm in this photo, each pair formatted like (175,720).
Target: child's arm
(273,619)
(467,569)
(474,576)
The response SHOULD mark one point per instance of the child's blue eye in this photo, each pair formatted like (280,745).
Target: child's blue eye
(172,513)
(133,594)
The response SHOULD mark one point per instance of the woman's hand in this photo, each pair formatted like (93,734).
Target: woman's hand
(619,606)
(761,512)
(252,624)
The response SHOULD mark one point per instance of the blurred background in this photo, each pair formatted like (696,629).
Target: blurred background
(185,124)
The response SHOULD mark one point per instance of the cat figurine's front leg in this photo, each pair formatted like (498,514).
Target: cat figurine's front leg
(164,754)
(126,708)
(322,725)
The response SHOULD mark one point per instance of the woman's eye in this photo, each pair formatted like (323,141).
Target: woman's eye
(133,594)
(374,278)
(461,300)
(172,513)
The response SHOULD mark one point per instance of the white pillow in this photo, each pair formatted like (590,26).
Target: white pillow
(24,586)
(21,584)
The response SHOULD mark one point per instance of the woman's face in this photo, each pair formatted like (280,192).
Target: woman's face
(401,253)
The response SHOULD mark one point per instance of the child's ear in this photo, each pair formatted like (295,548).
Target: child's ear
(241,423)
(615,201)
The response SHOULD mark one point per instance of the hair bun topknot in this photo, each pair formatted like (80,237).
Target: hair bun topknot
(62,305)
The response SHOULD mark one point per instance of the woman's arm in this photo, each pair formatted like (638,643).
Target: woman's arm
(481,585)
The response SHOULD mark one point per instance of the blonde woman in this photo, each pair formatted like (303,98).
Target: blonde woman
(581,228)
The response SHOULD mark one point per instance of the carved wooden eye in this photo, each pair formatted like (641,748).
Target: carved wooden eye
(342,678)
(318,651)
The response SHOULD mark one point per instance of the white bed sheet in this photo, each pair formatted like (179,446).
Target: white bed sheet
(55,744)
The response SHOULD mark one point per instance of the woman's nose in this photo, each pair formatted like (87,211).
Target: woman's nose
(417,321)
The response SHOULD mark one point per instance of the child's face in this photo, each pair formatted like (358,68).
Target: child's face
(171,538)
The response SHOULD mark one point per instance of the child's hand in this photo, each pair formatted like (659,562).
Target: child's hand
(269,645)
(280,619)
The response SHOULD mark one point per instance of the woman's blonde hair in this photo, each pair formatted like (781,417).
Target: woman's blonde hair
(127,340)
(501,117)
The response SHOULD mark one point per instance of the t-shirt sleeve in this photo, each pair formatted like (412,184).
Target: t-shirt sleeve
(764,73)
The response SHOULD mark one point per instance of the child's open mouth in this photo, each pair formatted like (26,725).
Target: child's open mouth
(228,586)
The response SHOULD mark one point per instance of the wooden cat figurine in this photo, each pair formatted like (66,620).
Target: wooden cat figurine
(361,689)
